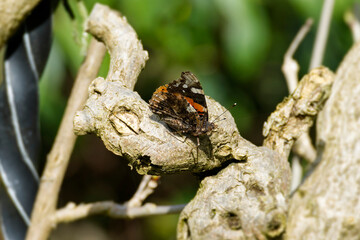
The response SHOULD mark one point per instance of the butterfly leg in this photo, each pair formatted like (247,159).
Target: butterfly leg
(178,133)
(197,151)
(197,148)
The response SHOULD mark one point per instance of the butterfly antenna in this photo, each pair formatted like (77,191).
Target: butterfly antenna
(216,119)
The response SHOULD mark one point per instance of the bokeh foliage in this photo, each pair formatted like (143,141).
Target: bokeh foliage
(235,47)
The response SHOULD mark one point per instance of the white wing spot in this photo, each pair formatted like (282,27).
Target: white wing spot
(196,90)
(190,108)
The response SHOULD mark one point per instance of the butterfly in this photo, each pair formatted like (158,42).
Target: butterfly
(181,104)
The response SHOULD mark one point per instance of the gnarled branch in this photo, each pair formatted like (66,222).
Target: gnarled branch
(249,200)
(127,126)
(326,205)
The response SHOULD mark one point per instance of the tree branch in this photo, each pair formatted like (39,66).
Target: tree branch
(226,204)
(290,67)
(353,24)
(72,212)
(146,187)
(58,158)
(326,204)
(296,113)
(303,146)
(322,34)
(127,126)
(126,59)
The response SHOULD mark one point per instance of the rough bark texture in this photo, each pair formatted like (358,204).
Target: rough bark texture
(126,52)
(327,205)
(127,126)
(249,200)
(244,200)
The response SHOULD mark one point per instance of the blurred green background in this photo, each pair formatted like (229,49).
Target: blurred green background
(235,47)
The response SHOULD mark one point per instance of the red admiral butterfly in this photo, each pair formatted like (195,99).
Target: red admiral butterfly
(182,106)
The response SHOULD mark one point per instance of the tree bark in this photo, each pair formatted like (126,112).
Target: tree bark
(249,200)
(327,205)
(125,122)
(249,197)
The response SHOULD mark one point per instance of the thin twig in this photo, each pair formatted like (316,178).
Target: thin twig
(322,34)
(297,112)
(297,172)
(290,67)
(303,146)
(58,159)
(146,187)
(72,212)
(353,24)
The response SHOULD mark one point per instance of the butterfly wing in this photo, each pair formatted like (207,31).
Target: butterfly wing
(172,109)
(181,104)
(190,88)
